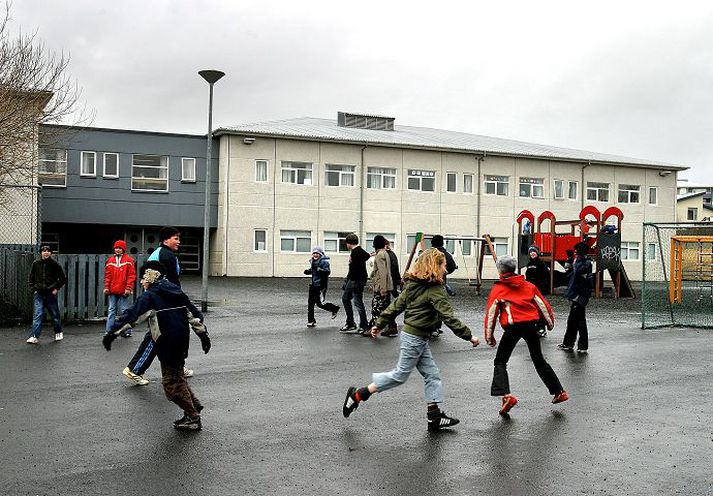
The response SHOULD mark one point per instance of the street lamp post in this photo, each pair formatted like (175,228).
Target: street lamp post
(211,77)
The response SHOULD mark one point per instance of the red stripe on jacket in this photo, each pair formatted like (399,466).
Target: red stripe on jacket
(513,300)
(119,277)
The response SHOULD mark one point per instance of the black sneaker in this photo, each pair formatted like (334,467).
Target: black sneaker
(334,313)
(542,333)
(439,420)
(564,347)
(348,328)
(350,404)
(188,423)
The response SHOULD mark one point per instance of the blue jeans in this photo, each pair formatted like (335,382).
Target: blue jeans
(354,290)
(116,301)
(45,301)
(414,352)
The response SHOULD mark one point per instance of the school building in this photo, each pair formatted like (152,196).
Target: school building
(290,184)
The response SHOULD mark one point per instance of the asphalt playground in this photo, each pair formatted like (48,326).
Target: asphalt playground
(638,422)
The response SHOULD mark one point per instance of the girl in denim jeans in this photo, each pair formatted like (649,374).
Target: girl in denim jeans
(427,308)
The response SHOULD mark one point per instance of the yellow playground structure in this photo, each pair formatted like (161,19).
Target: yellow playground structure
(692,261)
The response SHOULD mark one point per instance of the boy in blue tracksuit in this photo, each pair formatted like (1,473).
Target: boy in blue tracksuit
(319,270)
(170,315)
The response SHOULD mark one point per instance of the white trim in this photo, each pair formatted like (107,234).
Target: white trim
(629,192)
(267,170)
(648,198)
(486,181)
(294,239)
(58,164)
(420,180)
(104,174)
(195,170)
(576,196)
(341,174)
(598,189)
(628,247)
(81,163)
(255,240)
(472,183)
(532,189)
(296,171)
(149,180)
(554,189)
(378,170)
(455,182)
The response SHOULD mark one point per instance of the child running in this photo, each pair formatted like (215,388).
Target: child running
(424,300)
(170,314)
(521,307)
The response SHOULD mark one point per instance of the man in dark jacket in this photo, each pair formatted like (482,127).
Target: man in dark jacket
(171,315)
(392,330)
(46,279)
(537,272)
(579,290)
(354,285)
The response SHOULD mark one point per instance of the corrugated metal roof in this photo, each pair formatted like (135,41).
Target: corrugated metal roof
(315,129)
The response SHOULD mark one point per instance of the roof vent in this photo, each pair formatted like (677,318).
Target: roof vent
(365,121)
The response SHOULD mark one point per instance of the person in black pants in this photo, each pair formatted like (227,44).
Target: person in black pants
(354,285)
(319,270)
(579,290)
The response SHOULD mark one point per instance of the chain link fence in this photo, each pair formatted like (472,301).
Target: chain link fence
(677,283)
(20,236)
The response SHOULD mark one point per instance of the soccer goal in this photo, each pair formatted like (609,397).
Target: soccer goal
(677,282)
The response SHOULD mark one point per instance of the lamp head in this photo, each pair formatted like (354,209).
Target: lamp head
(211,76)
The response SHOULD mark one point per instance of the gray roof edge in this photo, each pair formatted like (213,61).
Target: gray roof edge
(693,194)
(245,132)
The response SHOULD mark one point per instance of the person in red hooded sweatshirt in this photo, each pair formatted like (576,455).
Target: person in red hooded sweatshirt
(520,308)
(119,279)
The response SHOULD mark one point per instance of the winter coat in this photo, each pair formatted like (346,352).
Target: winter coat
(538,274)
(395,272)
(169,307)
(119,274)
(426,307)
(46,275)
(513,300)
(579,287)
(319,270)
(381,275)
(169,260)
(357,265)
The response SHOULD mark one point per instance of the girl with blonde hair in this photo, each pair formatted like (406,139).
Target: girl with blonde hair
(426,309)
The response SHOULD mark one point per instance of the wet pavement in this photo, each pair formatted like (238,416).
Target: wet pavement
(638,422)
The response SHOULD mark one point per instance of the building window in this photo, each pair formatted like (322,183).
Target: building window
(391,238)
(598,192)
(449,244)
(421,180)
(651,252)
(380,178)
(466,247)
(500,245)
(411,239)
(335,242)
(693,213)
(297,173)
(260,240)
(572,190)
(558,189)
(653,195)
(111,165)
(532,187)
(451,179)
(52,169)
(261,171)
(467,183)
(629,193)
(295,241)
(88,165)
(339,175)
(188,170)
(149,173)
(630,250)
(497,185)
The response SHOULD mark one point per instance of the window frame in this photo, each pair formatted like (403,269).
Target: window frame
(655,190)
(184,179)
(418,174)
(626,248)
(695,213)
(630,190)
(597,190)
(391,238)
(576,190)
(135,179)
(59,165)
(336,236)
(255,241)
(499,242)
(472,182)
(287,234)
(262,161)
(297,171)
(449,175)
(380,172)
(87,153)
(104,174)
(341,173)
(531,182)
(554,189)
(651,253)
(494,180)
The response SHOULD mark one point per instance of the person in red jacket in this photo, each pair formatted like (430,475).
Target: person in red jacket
(521,310)
(119,279)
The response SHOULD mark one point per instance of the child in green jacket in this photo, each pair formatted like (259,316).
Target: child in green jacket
(427,307)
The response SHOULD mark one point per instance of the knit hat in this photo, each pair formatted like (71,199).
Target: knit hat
(120,244)
(379,242)
(318,249)
(506,264)
(167,232)
(534,248)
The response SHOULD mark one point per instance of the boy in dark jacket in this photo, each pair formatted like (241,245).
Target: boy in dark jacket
(46,279)
(426,308)
(437,242)
(579,290)
(319,270)
(353,289)
(519,306)
(171,315)
(537,272)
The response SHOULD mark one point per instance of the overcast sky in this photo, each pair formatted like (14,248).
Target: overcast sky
(629,78)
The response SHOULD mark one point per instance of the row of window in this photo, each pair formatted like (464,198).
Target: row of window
(148,172)
(425,180)
(334,242)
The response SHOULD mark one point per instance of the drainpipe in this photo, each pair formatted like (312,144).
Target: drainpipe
(478,199)
(361,196)
(226,205)
(583,189)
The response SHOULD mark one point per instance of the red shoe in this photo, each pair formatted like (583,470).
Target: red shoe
(560,397)
(509,401)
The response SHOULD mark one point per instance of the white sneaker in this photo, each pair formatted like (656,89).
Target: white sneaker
(32,340)
(59,336)
(187,372)
(136,379)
